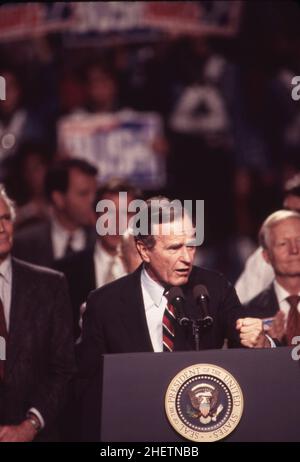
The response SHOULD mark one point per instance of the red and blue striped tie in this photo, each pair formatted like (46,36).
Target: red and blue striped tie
(168,326)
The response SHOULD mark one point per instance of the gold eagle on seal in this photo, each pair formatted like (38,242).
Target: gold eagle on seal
(204,400)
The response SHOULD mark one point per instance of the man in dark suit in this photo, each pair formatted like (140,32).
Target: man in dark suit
(128,315)
(70,188)
(279,304)
(132,314)
(36,329)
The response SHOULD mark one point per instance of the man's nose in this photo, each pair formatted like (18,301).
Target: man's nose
(186,255)
(294,247)
(2,227)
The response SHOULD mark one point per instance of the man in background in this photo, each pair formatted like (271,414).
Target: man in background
(257,274)
(70,187)
(36,324)
(94,267)
(279,303)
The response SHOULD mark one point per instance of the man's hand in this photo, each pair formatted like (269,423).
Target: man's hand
(22,433)
(252,334)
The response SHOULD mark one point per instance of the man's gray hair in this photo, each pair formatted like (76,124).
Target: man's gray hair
(8,201)
(164,211)
(272,220)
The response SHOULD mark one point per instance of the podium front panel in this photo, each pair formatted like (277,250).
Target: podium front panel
(134,388)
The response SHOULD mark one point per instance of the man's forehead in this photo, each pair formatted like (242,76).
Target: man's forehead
(3,206)
(280,228)
(178,227)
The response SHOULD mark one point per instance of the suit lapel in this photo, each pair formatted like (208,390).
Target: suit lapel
(270,304)
(133,314)
(91,272)
(19,313)
(274,302)
(90,237)
(87,276)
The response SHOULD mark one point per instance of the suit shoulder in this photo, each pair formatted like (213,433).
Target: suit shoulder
(261,298)
(36,271)
(112,289)
(200,274)
(32,232)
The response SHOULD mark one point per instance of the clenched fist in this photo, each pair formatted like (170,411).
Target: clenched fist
(252,333)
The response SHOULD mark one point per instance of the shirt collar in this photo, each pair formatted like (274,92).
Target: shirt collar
(153,288)
(102,254)
(59,229)
(5,269)
(280,292)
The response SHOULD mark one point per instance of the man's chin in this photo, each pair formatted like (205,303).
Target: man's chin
(288,274)
(179,280)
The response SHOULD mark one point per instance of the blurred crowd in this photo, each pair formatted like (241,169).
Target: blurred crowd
(230,136)
(231,128)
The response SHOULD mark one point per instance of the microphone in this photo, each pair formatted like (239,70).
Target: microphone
(201,296)
(176,297)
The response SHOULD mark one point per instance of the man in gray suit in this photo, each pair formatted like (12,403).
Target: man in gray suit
(36,329)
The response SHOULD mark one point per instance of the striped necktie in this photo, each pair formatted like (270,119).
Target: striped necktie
(168,327)
(293,320)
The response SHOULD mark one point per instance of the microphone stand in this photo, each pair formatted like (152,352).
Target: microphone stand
(197,324)
(196,333)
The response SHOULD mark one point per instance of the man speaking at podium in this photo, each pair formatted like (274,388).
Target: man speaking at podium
(165,303)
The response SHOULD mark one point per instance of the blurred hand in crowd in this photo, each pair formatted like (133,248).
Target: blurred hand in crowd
(277,328)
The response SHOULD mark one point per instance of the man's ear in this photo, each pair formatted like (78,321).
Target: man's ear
(265,254)
(58,199)
(143,251)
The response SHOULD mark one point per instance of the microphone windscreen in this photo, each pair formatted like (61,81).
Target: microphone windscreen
(173,293)
(200,290)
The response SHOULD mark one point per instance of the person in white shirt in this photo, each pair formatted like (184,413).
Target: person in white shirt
(279,303)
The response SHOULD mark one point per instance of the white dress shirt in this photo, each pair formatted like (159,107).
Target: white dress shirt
(60,237)
(5,294)
(5,287)
(155,304)
(103,261)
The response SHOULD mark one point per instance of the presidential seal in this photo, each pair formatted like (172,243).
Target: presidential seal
(204,403)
